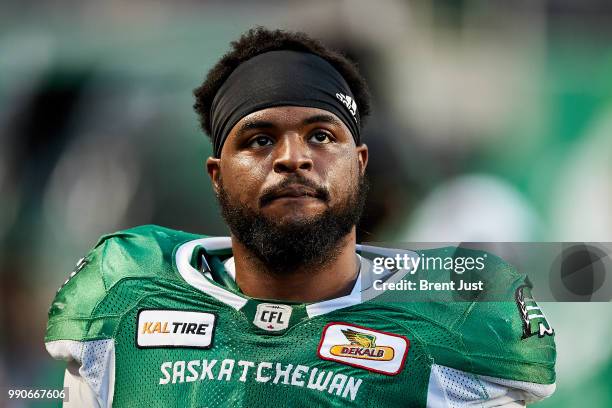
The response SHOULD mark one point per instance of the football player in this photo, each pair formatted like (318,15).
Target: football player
(286,311)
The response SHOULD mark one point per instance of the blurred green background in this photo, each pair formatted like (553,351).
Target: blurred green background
(492,122)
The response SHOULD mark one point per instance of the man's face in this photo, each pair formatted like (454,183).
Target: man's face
(287,175)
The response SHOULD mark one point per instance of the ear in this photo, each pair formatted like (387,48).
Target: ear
(214,171)
(362,157)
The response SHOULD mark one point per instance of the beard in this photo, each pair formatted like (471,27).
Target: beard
(308,242)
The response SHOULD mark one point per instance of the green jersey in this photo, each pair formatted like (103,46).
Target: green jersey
(152,317)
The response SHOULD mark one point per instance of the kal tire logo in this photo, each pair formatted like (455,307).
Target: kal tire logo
(174,328)
(272,317)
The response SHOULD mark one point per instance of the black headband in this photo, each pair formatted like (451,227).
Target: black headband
(281,78)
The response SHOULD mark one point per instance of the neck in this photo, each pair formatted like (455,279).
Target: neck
(305,283)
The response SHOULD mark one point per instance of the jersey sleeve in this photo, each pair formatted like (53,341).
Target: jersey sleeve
(508,335)
(109,280)
(498,336)
(505,353)
(76,335)
(502,348)
(80,393)
(90,373)
(71,316)
(449,387)
(494,329)
(87,309)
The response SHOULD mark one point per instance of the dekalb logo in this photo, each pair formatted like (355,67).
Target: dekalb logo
(174,328)
(361,347)
(272,317)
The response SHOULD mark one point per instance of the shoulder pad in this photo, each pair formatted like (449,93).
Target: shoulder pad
(499,331)
(80,310)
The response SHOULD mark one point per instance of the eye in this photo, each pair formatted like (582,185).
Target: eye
(260,141)
(320,137)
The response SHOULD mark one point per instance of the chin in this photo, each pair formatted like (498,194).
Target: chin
(295,219)
(288,211)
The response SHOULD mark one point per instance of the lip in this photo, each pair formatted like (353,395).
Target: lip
(294,192)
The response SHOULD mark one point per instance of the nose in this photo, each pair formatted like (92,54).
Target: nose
(292,154)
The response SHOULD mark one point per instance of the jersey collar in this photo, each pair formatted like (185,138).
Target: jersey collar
(197,280)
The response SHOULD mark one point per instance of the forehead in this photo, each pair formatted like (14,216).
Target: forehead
(291,117)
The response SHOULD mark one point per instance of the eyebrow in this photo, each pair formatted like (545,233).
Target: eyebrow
(322,118)
(254,124)
(264,124)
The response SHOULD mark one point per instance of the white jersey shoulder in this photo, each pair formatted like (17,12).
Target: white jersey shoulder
(90,374)
(449,387)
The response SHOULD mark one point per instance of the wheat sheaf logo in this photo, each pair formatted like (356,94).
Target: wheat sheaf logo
(363,346)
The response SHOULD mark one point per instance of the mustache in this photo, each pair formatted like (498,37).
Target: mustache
(270,193)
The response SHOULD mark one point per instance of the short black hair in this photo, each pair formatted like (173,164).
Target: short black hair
(259,40)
